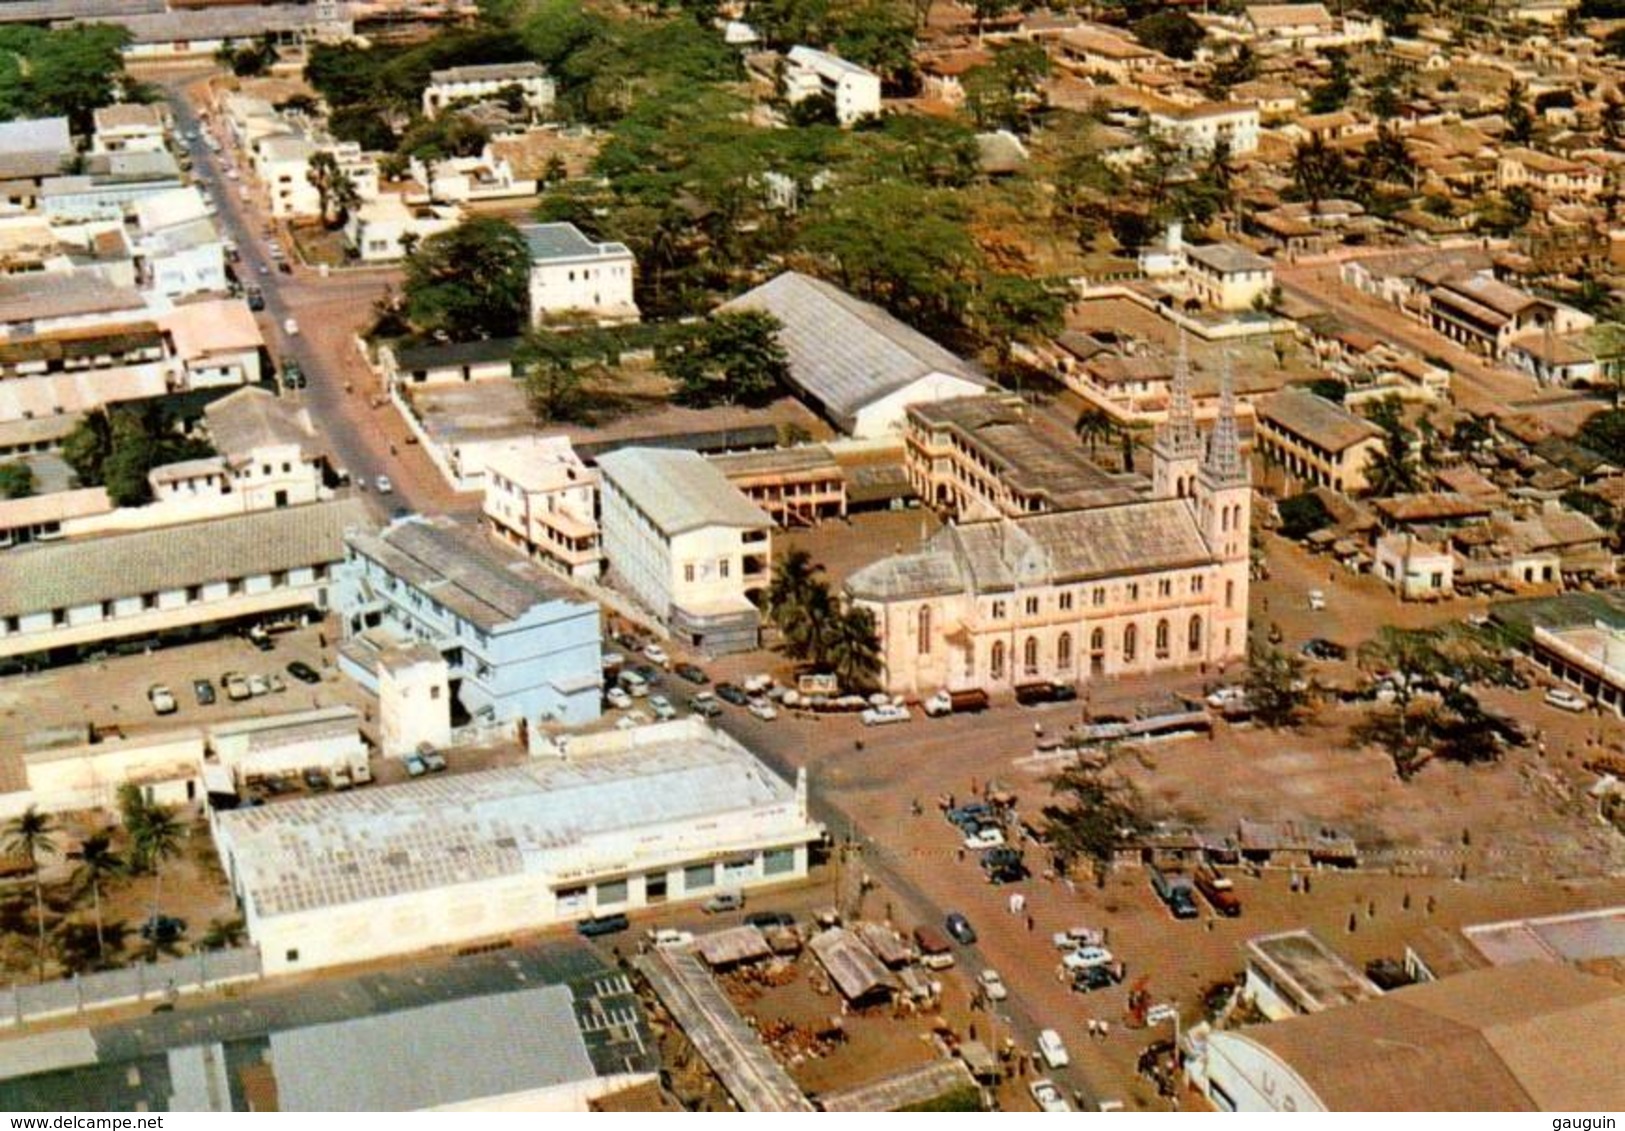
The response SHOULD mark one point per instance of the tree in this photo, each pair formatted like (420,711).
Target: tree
(985,10)
(878,35)
(117,447)
(32,834)
(1276,688)
(96,862)
(732,359)
(1607,342)
(1392,469)
(1302,515)
(1520,122)
(1333,94)
(1009,308)
(798,603)
(470,283)
(155,838)
(1005,93)
(1318,171)
(16,480)
(555,367)
(793,578)
(223,934)
(71,71)
(1095,426)
(1089,818)
(1445,660)
(322,170)
(1240,66)
(852,650)
(1171,32)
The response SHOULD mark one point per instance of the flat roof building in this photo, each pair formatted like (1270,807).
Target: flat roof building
(1295,973)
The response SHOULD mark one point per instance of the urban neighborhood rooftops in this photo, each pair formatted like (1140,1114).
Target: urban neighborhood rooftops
(1324,423)
(679,491)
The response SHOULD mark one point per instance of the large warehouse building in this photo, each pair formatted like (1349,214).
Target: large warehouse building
(614,822)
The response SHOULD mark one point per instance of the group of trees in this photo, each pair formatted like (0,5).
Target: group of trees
(1432,712)
(16,480)
(821,629)
(1394,468)
(729,359)
(336,191)
(116,447)
(70,71)
(256,59)
(469,283)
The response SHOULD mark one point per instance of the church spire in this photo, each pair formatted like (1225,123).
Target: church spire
(1178,438)
(1224,462)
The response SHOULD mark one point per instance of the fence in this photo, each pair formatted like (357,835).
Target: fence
(145,981)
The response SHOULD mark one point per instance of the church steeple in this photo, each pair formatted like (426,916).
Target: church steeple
(1176,452)
(1224,465)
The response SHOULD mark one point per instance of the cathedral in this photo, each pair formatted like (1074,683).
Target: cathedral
(1146,581)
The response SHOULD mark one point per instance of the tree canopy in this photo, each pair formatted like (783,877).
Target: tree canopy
(116,448)
(469,283)
(730,359)
(69,71)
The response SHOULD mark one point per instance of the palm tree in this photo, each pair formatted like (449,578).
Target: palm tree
(853,649)
(790,592)
(1392,470)
(322,171)
(157,837)
(1095,426)
(223,934)
(33,834)
(97,861)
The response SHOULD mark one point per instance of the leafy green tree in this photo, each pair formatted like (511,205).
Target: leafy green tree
(852,650)
(470,283)
(1318,171)
(116,448)
(332,184)
(1171,32)
(1240,66)
(1333,94)
(32,835)
(1095,426)
(1010,308)
(879,35)
(1302,515)
(794,577)
(1089,818)
(1520,122)
(1607,342)
(985,10)
(1008,91)
(1604,432)
(16,480)
(155,837)
(1393,468)
(97,862)
(1277,691)
(555,371)
(70,71)
(1415,660)
(732,359)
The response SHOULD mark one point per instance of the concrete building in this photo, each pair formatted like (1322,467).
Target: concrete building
(180,250)
(541,499)
(179,582)
(488,81)
(414,700)
(323,738)
(1198,129)
(854,91)
(570,276)
(1316,441)
(381,230)
(1415,569)
(854,363)
(212,344)
(34,149)
(520,644)
(1227,277)
(1293,973)
(1095,50)
(1557,178)
(268,449)
(282,163)
(1522,1037)
(800,486)
(110,185)
(1129,586)
(614,822)
(1480,312)
(129,125)
(687,544)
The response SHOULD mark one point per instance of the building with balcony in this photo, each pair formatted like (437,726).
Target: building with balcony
(1316,441)
(518,642)
(800,486)
(687,544)
(489,81)
(1200,128)
(541,499)
(854,91)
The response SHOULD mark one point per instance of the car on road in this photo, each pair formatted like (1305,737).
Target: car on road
(692,674)
(959,928)
(383,485)
(882,716)
(663,938)
(705,705)
(292,376)
(1320,648)
(303,672)
(162,699)
(732,693)
(255,297)
(236,686)
(662,708)
(1092,978)
(1048,1097)
(290,327)
(618,698)
(1086,956)
(987,837)
(203,692)
(602,925)
(414,766)
(258,685)
(1053,1049)
(767,920)
(1228,699)
(991,985)
(656,654)
(763,710)
(723,901)
(1565,700)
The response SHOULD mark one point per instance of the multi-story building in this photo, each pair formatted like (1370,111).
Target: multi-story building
(686,543)
(854,91)
(798,486)
(1550,176)
(1097,51)
(268,449)
(282,163)
(1198,129)
(1316,441)
(1128,587)
(518,642)
(110,185)
(572,276)
(1226,277)
(201,578)
(541,499)
(129,125)
(988,456)
(1480,312)
(472,84)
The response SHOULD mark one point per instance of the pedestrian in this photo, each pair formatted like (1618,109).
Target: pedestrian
(1105,1029)
(1029,922)
(961,854)
(1038,730)
(1306,885)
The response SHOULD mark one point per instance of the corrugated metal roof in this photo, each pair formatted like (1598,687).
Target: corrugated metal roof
(678,490)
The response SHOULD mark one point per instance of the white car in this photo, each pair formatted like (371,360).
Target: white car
(991,985)
(1075,937)
(984,838)
(656,654)
(662,707)
(631,720)
(762,709)
(939,705)
(1053,1049)
(1317,600)
(1228,697)
(662,938)
(880,716)
(259,685)
(1086,956)
(1048,1097)
(162,699)
(618,698)
(759,684)
(1565,700)
(1160,1014)
(384,486)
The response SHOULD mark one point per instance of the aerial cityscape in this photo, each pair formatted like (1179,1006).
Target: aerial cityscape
(812,556)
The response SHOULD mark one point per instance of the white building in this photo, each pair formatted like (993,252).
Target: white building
(282,163)
(179,246)
(381,230)
(686,543)
(414,699)
(1198,129)
(129,126)
(325,738)
(540,498)
(267,447)
(476,83)
(572,276)
(613,822)
(212,343)
(809,72)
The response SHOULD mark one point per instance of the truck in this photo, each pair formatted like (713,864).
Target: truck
(947,702)
(1219,890)
(1176,891)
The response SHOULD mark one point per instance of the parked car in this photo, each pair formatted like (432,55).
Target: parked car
(163,929)
(258,685)
(633,684)
(732,693)
(1086,956)
(203,692)
(692,673)
(162,699)
(1320,648)
(763,710)
(768,920)
(705,705)
(662,708)
(1175,891)
(723,901)
(936,952)
(1032,694)
(315,779)
(255,296)
(433,760)
(303,672)
(1048,1097)
(293,377)
(1220,892)
(414,766)
(986,837)
(290,327)
(1003,865)
(959,927)
(970,815)
(1565,700)
(662,938)
(947,702)
(384,486)
(1092,978)
(340,778)
(1228,699)
(618,698)
(602,925)
(991,985)
(1053,1049)
(881,716)
(236,686)
(657,654)
(1317,600)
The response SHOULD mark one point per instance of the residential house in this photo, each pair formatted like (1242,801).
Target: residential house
(687,544)
(1307,27)
(1416,569)
(268,449)
(1552,177)
(1485,315)
(542,499)
(212,344)
(1096,50)
(1318,442)
(386,228)
(489,81)
(282,163)
(130,125)
(1225,276)
(572,276)
(854,91)
(1198,129)
(33,150)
